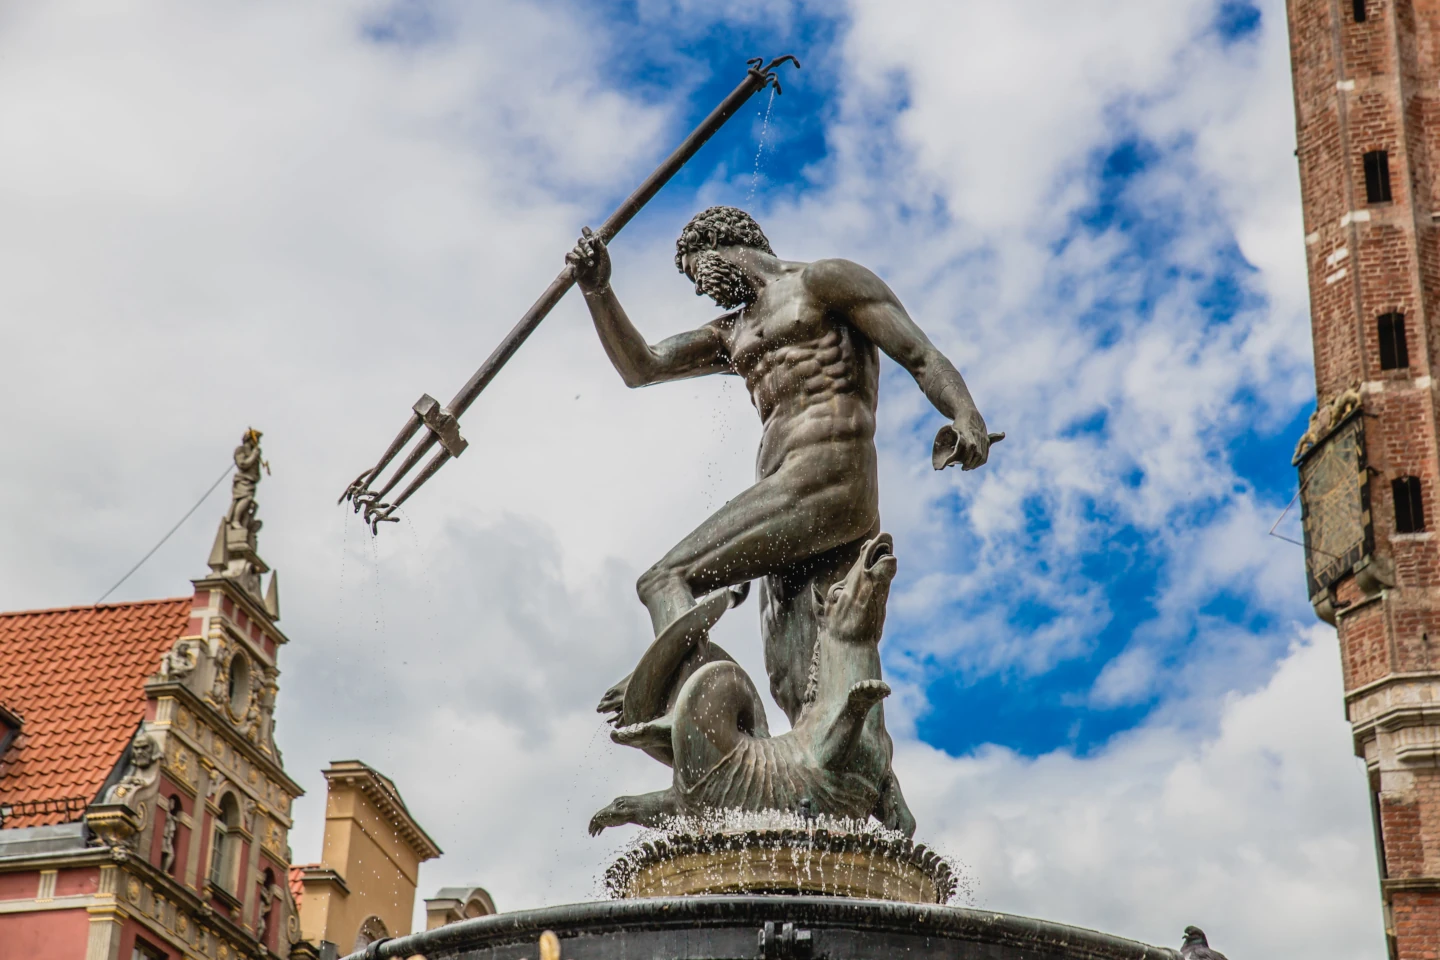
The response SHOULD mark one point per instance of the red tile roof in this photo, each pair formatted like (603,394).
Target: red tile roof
(297,881)
(76,678)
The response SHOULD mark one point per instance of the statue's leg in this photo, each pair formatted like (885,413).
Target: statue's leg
(837,744)
(788,622)
(804,509)
(798,515)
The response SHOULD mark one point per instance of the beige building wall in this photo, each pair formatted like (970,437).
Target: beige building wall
(364,887)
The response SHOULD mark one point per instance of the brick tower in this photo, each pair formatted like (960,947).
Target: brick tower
(1367,106)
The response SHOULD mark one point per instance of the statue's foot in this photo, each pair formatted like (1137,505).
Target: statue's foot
(649,737)
(838,744)
(865,694)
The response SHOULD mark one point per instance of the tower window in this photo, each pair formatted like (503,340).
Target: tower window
(1409,510)
(1359,9)
(224,843)
(1377,177)
(1394,352)
(239,689)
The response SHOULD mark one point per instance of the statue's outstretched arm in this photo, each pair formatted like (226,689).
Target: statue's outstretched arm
(690,354)
(865,301)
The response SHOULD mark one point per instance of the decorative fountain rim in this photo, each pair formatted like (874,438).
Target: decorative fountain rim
(621,876)
(700,913)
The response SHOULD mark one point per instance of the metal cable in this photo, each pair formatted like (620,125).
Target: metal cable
(179,523)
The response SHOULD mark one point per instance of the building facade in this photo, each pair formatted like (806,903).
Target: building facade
(363,888)
(1367,104)
(145,811)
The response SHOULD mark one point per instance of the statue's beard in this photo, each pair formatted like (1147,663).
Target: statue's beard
(722,281)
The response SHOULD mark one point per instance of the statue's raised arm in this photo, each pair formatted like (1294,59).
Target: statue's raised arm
(690,354)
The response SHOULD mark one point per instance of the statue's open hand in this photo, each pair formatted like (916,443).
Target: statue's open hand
(965,442)
(591,262)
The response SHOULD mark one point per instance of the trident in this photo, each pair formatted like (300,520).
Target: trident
(442,424)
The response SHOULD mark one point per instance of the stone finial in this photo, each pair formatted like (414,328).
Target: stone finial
(235,554)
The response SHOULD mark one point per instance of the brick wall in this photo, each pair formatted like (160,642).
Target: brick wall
(1362,87)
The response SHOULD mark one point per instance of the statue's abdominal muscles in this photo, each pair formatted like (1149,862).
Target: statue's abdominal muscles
(816,390)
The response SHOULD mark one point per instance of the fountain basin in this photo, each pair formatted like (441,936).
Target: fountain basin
(764,928)
(820,862)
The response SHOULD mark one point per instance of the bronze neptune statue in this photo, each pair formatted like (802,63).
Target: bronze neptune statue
(806,337)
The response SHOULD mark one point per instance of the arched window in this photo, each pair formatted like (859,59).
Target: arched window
(224,843)
(371,930)
(239,688)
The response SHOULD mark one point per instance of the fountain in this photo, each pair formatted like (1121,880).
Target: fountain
(797,845)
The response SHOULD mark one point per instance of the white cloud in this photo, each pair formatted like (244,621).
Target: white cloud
(218,216)
(1248,833)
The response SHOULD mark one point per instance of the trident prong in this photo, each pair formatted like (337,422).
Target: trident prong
(357,487)
(766,74)
(378,513)
(441,423)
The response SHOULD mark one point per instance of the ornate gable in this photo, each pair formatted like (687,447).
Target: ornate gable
(154,722)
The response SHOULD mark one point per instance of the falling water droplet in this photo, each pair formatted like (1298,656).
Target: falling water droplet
(760,148)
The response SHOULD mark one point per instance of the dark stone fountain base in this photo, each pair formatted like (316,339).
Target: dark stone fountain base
(764,928)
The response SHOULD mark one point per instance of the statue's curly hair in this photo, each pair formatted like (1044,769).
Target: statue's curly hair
(719,227)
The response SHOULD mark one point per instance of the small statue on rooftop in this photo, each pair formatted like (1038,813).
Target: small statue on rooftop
(236,554)
(248,464)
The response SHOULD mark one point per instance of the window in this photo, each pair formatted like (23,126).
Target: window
(1409,510)
(9,729)
(145,951)
(1377,177)
(371,930)
(1394,352)
(225,839)
(1358,8)
(1377,823)
(239,684)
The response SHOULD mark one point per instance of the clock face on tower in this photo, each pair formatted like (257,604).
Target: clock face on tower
(1335,501)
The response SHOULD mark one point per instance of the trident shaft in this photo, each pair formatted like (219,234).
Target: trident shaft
(442,423)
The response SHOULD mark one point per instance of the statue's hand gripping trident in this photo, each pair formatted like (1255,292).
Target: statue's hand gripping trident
(366,492)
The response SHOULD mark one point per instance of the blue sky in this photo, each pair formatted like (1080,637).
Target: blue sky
(1112,702)
(1031,711)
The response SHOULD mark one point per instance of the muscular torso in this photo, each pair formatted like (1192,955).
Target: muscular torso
(812,376)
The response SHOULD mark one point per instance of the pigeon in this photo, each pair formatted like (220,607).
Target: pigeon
(1196,947)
